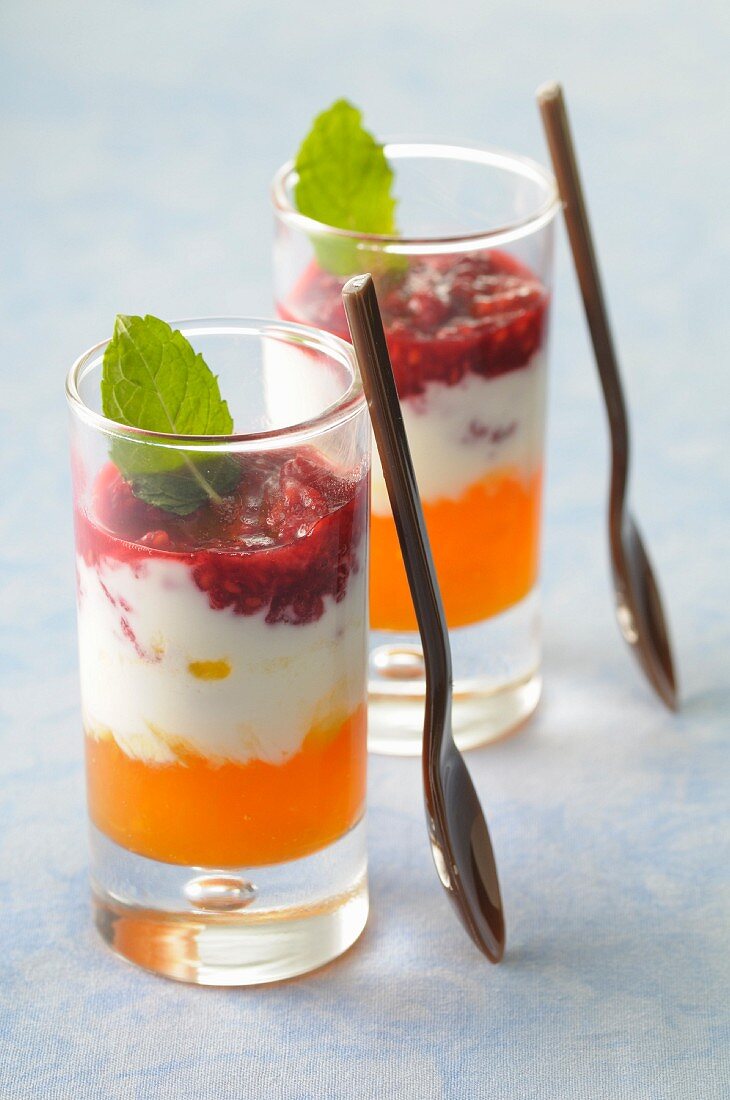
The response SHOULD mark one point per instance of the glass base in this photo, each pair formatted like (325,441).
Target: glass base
(235,926)
(497,682)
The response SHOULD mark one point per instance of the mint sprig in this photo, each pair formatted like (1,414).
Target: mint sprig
(153,379)
(345,181)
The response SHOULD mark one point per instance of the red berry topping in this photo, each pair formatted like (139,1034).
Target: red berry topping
(447,316)
(159,539)
(284,540)
(291,507)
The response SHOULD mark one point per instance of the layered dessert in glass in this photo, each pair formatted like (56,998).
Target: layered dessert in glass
(465,296)
(221,665)
(222,659)
(467,339)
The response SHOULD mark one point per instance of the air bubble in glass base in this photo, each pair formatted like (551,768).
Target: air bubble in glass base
(230,927)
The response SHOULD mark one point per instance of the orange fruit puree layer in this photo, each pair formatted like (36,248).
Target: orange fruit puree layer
(197,812)
(485,547)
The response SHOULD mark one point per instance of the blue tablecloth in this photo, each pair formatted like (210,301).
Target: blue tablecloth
(138,142)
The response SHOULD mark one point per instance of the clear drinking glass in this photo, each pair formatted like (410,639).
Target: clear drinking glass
(465,295)
(223,661)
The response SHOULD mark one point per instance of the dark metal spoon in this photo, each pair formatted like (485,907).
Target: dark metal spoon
(638,604)
(462,850)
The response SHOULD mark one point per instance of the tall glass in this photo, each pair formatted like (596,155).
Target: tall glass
(465,295)
(223,662)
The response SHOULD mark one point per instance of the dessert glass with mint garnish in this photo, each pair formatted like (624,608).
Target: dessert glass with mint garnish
(221,552)
(459,241)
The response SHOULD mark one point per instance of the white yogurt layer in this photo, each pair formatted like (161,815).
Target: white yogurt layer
(460,434)
(137,685)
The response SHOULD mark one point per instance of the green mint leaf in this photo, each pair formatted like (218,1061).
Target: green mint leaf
(345,181)
(180,492)
(344,178)
(154,380)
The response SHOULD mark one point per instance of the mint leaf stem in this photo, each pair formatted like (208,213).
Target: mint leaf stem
(204,485)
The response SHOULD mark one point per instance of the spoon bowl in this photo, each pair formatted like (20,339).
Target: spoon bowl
(639,608)
(462,848)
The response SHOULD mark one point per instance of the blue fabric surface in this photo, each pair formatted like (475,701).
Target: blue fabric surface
(138,143)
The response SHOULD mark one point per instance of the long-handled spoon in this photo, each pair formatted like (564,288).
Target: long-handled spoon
(638,604)
(462,850)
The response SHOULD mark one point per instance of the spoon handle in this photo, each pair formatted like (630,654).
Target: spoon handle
(565,165)
(368,337)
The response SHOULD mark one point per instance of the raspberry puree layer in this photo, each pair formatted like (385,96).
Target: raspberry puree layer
(446,316)
(282,542)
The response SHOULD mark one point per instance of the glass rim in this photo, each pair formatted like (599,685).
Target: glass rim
(489,156)
(342,409)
